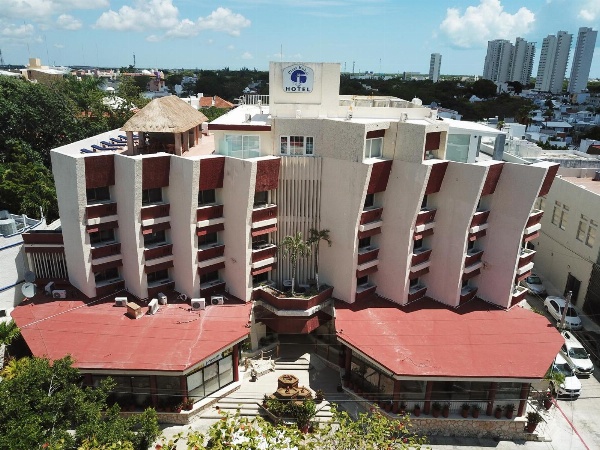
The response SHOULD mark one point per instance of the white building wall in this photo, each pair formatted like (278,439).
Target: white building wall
(582,60)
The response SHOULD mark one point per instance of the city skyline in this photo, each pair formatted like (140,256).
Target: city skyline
(362,35)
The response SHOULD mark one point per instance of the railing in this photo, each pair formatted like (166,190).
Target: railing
(420,255)
(480,217)
(158,252)
(426,215)
(260,213)
(371,215)
(154,211)
(209,212)
(526,256)
(101,210)
(43,237)
(264,253)
(254,99)
(467,293)
(367,254)
(106,250)
(416,292)
(534,217)
(210,252)
(473,256)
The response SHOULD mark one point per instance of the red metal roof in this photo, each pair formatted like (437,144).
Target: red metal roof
(429,339)
(101,335)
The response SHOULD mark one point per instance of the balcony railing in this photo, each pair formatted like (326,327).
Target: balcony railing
(518,294)
(371,215)
(101,210)
(160,286)
(43,237)
(155,211)
(479,218)
(280,301)
(264,252)
(420,255)
(264,212)
(106,250)
(416,292)
(526,256)
(209,212)
(211,251)
(534,217)
(110,287)
(365,290)
(158,252)
(426,215)
(467,293)
(366,254)
(473,256)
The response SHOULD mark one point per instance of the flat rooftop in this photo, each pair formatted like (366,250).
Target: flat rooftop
(429,339)
(588,183)
(100,336)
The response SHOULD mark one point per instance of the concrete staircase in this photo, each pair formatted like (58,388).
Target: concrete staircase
(301,363)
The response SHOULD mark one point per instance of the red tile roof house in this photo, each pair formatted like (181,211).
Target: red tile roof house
(420,284)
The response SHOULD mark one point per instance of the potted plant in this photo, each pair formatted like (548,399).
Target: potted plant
(436,407)
(464,410)
(498,412)
(533,418)
(475,411)
(402,408)
(548,400)
(318,396)
(417,410)
(294,247)
(510,408)
(446,410)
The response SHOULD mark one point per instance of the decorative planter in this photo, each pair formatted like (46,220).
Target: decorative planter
(475,413)
(446,411)
(417,412)
(530,427)
(464,413)
(548,402)
(509,413)
(498,413)
(435,412)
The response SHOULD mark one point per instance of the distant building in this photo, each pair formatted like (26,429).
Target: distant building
(522,61)
(553,62)
(507,62)
(42,74)
(582,60)
(434,67)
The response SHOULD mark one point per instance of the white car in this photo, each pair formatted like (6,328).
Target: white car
(556,305)
(534,285)
(571,387)
(576,356)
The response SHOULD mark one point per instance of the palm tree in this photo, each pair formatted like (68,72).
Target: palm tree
(316,236)
(294,247)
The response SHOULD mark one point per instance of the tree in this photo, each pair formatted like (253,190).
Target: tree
(483,88)
(212,112)
(316,236)
(8,332)
(294,247)
(44,400)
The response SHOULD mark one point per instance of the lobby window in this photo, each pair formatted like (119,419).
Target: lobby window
(373,147)
(151,196)
(586,232)
(158,276)
(96,195)
(559,215)
(155,238)
(242,146)
(102,237)
(207,197)
(107,275)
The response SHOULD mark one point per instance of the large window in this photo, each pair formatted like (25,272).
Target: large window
(107,275)
(559,215)
(102,237)
(151,196)
(158,276)
(297,145)
(99,194)
(207,197)
(156,238)
(457,148)
(208,239)
(373,147)
(242,146)
(586,232)
(209,277)
(211,378)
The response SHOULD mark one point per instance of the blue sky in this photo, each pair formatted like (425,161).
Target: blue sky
(391,36)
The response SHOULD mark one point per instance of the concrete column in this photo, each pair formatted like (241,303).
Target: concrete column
(130,143)
(491,398)
(499,147)
(178,144)
(348,363)
(523,398)
(428,390)
(183,388)
(236,362)
(154,390)
(396,396)
(185,137)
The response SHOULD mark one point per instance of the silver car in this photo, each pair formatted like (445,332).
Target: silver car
(534,285)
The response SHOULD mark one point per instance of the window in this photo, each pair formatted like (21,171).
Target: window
(242,146)
(586,232)
(559,215)
(151,196)
(158,237)
(362,280)
(296,145)
(102,236)
(414,283)
(369,200)
(418,244)
(364,242)
(106,275)
(260,278)
(260,241)
(373,147)
(261,198)
(159,275)
(208,277)
(424,202)
(207,197)
(207,239)
(99,194)
(540,203)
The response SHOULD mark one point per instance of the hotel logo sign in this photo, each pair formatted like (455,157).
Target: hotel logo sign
(298,78)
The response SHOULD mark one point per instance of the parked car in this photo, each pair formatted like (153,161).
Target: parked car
(571,387)
(556,305)
(576,355)
(591,342)
(534,285)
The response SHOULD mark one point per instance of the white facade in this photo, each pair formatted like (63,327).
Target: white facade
(522,61)
(435,64)
(582,60)
(498,61)
(553,62)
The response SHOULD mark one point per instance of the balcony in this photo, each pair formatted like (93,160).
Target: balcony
(158,252)
(155,211)
(416,292)
(160,286)
(212,288)
(206,213)
(263,213)
(477,232)
(473,256)
(420,255)
(480,217)
(426,215)
(101,210)
(467,293)
(518,294)
(366,254)
(109,287)
(211,251)
(43,237)
(263,252)
(364,290)
(301,305)
(534,217)
(526,256)
(521,275)
(371,215)
(114,248)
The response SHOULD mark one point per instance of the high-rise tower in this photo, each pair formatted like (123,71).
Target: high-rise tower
(434,67)
(582,60)
(553,62)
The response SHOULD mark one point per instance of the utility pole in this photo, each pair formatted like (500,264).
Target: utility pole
(564,313)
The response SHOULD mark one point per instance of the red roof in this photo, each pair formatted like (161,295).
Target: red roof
(427,338)
(101,335)
(206,102)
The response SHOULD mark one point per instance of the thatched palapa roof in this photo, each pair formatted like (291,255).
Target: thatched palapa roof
(165,115)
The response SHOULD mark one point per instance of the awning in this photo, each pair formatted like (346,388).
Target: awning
(149,229)
(102,226)
(263,269)
(264,230)
(210,229)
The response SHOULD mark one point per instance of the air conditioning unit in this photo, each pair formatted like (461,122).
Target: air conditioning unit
(198,304)
(153,306)
(121,301)
(216,300)
(162,298)
(49,288)
(59,293)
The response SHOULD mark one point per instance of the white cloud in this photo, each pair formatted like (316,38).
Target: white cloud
(185,28)
(225,20)
(230,47)
(44,9)
(247,55)
(59,46)
(17,32)
(68,22)
(144,15)
(485,22)
(590,11)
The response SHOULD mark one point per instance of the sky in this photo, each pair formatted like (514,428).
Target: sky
(383,36)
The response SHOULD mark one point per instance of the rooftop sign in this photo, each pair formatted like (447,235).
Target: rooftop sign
(298,78)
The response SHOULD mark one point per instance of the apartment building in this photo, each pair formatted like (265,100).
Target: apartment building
(435,64)
(553,62)
(423,240)
(507,62)
(582,60)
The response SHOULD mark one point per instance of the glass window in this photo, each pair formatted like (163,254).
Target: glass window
(586,231)
(362,280)
(159,275)
(260,278)
(99,194)
(560,215)
(457,148)
(243,146)
(309,145)
(206,197)
(211,378)
(157,237)
(261,198)
(296,145)
(151,196)
(412,389)
(102,236)
(284,148)
(373,147)
(591,236)
(225,371)
(508,391)
(208,277)
(106,275)
(364,242)
(208,238)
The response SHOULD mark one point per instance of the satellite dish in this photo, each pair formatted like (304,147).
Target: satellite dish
(30,276)
(28,290)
